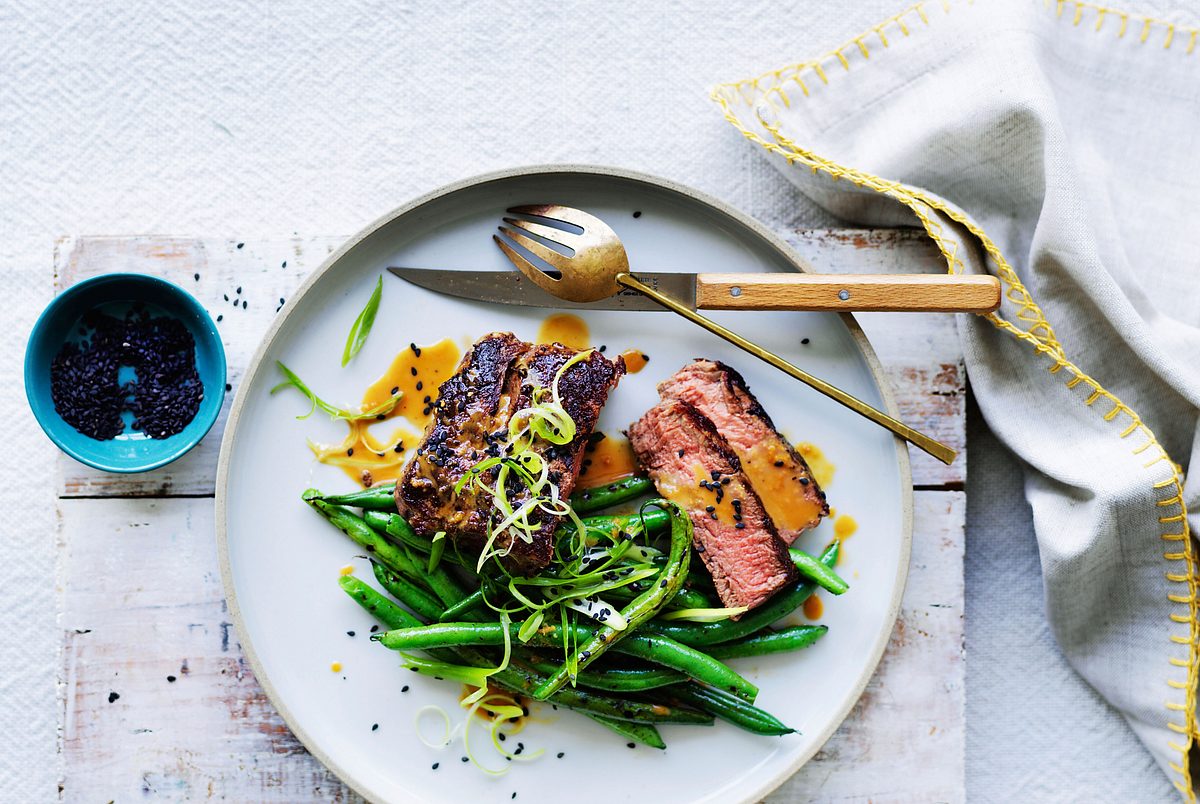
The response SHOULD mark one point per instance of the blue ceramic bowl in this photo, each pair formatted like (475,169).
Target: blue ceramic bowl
(131,451)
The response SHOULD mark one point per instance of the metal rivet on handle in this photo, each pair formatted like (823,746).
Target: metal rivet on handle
(844,295)
(735,291)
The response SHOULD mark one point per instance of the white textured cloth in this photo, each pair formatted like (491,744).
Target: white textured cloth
(1054,145)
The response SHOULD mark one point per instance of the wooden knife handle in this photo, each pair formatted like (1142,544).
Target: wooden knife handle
(915,293)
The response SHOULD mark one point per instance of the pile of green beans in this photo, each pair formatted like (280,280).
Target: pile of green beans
(655,671)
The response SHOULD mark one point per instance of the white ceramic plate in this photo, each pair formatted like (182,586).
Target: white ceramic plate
(280,561)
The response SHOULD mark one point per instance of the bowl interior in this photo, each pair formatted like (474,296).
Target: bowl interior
(132,451)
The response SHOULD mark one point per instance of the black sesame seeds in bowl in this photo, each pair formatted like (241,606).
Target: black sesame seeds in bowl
(125,372)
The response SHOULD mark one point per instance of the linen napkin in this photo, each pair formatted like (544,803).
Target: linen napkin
(1054,144)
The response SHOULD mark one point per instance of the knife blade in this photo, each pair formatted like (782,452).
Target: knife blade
(510,287)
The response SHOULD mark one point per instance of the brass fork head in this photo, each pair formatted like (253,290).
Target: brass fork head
(588,273)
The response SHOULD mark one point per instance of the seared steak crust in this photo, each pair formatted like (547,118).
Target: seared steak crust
(693,464)
(777,470)
(471,417)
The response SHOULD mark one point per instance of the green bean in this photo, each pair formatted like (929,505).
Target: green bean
(523,680)
(814,570)
(643,733)
(782,604)
(378,498)
(651,647)
(730,708)
(406,592)
(468,603)
(515,678)
(396,559)
(768,641)
(384,610)
(618,679)
(598,498)
(357,529)
(641,609)
(650,521)
(684,599)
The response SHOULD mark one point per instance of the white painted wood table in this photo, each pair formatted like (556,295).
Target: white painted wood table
(157,700)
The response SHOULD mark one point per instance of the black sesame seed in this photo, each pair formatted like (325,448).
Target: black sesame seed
(112,696)
(226,295)
(630,745)
(350,633)
(228,387)
(350,452)
(561,754)
(374,727)
(502,736)
(220,318)
(239,290)
(740,526)
(804,481)
(413,370)
(375,628)
(404,688)
(804,341)
(245,305)
(163,399)
(283,264)
(170,679)
(681,453)
(435,765)
(465,759)
(239,245)
(196,277)
(420,385)
(779,463)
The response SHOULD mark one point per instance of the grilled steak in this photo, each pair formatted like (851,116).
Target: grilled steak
(471,417)
(693,465)
(776,470)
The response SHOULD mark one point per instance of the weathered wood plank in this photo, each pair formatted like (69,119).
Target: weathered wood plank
(141,601)
(919,351)
(905,740)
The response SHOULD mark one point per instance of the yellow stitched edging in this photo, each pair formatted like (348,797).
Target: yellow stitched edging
(1031,328)
(1123,18)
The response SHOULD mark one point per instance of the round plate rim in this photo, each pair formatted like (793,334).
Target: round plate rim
(768,237)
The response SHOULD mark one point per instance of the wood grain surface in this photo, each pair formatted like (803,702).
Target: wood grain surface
(929,293)
(157,701)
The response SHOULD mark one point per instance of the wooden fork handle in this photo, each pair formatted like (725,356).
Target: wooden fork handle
(916,293)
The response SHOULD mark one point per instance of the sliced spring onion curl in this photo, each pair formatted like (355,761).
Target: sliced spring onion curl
(501,707)
(334,412)
(703,615)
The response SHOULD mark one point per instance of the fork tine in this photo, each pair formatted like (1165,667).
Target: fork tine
(543,231)
(551,256)
(522,263)
(560,213)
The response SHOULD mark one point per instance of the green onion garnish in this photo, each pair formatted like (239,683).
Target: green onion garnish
(334,412)
(362,325)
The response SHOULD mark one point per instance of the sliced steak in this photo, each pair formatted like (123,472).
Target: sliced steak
(470,423)
(776,470)
(693,465)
